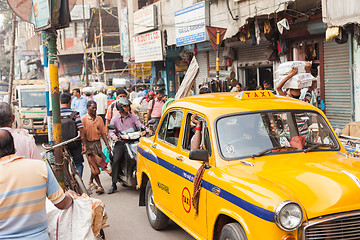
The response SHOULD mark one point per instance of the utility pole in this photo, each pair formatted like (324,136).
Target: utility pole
(50,39)
(12,60)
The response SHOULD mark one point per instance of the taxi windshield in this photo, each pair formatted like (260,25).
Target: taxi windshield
(247,135)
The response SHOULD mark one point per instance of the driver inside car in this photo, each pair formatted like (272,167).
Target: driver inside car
(122,121)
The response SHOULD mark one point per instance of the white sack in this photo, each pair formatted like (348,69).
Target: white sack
(140,107)
(71,224)
(89,90)
(285,68)
(121,82)
(98,86)
(299,81)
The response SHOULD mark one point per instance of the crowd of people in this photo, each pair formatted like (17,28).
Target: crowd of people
(24,179)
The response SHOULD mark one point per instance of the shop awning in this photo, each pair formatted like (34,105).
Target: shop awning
(247,9)
(340,13)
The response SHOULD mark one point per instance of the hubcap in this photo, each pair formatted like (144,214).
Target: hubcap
(151,206)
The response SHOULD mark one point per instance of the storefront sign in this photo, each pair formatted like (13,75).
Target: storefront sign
(141,69)
(148,47)
(124,35)
(145,19)
(190,24)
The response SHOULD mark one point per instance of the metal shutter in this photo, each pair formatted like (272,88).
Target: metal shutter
(247,53)
(337,83)
(201,58)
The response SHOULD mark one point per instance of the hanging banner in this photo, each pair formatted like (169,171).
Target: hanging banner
(124,35)
(148,47)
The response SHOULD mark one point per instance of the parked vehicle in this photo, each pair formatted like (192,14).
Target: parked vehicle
(30,108)
(268,167)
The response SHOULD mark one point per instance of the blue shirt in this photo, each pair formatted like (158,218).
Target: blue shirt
(79,105)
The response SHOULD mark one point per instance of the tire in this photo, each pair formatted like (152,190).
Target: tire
(232,231)
(81,184)
(157,219)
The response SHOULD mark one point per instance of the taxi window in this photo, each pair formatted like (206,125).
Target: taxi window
(170,127)
(190,131)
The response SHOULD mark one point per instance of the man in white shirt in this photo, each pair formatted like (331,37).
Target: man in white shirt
(133,94)
(101,101)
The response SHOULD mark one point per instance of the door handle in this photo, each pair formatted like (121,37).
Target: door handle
(153,145)
(179,158)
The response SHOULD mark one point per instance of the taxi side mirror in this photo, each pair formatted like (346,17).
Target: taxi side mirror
(199,155)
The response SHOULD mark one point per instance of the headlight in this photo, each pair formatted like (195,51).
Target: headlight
(26,121)
(288,215)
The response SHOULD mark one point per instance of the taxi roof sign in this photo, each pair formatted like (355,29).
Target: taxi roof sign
(252,95)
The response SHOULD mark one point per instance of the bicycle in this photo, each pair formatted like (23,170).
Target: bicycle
(73,180)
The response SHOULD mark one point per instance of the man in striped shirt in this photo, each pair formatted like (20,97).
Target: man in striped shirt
(76,149)
(25,183)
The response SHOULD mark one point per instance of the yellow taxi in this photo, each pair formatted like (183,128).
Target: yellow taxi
(268,167)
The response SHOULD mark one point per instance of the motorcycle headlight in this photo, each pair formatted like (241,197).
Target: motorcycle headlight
(26,121)
(288,215)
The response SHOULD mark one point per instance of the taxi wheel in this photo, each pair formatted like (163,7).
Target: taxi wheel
(157,219)
(232,231)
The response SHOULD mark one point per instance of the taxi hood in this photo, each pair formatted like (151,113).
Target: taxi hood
(322,182)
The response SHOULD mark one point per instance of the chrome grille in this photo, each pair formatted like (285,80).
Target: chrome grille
(340,226)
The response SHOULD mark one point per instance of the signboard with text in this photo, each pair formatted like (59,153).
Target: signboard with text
(40,13)
(124,35)
(148,47)
(145,19)
(190,24)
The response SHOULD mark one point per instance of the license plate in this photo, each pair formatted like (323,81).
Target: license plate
(41,131)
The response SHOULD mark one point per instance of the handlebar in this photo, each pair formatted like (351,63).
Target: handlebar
(49,148)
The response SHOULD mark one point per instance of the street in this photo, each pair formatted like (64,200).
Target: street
(126,219)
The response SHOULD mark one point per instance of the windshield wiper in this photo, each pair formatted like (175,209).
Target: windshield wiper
(270,150)
(318,145)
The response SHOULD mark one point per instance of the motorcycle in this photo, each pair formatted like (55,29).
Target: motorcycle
(130,137)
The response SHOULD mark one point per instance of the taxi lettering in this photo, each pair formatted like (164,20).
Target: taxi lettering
(164,187)
(186,199)
(252,95)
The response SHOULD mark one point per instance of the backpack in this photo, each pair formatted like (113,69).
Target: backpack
(69,129)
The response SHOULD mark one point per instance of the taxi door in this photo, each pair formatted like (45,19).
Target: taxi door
(183,186)
(164,147)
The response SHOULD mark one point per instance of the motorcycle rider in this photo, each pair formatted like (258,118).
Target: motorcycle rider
(122,121)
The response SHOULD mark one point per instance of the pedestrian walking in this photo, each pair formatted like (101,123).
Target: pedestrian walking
(132,94)
(155,109)
(101,101)
(79,102)
(70,125)
(25,183)
(94,130)
(24,142)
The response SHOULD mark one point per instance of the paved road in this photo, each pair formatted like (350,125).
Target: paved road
(127,220)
